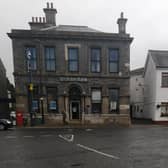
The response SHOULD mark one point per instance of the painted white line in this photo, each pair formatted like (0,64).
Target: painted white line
(28,136)
(96,151)
(88,129)
(47,135)
(67,137)
(10,137)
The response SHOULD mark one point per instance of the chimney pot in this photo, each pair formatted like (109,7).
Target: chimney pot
(33,19)
(36,19)
(51,5)
(44,20)
(122,15)
(48,5)
(40,19)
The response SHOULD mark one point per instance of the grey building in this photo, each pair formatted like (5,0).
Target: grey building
(77,72)
(4,110)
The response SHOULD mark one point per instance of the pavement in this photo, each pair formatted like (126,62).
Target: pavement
(139,146)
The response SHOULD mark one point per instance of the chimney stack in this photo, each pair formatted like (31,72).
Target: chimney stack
(50,14)
(122,24)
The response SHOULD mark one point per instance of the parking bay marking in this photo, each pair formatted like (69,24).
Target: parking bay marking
(28,136)
(96,151)
(67,137)
(10,137)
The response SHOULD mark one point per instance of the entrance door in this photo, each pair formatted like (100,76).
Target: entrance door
(75,109)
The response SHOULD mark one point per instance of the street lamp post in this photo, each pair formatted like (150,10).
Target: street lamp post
(42,110)
(30,86)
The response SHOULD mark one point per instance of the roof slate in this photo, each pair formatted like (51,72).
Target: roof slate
(160,58)
(70,28)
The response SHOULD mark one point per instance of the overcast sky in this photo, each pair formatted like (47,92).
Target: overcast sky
(147,22)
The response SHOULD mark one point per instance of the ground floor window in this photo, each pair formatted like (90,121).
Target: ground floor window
(114,100)
(52,99)
(33,96)
(164,109)
(96,100)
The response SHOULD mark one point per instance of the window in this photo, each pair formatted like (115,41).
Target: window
(52,99)
(73,59)
(95,59)
(96,101)
(164,79)
(31,58)
(114,100)
(35,99)
(164,109)
(50,59)
(113,60)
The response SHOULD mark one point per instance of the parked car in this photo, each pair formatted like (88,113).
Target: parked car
(5,124)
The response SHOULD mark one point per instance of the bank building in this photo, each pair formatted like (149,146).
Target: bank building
(72,73)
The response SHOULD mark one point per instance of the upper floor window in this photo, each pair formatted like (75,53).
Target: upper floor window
(164,79)
(113,60)
(73,59)
(95,59)
(50,59)
(31,57)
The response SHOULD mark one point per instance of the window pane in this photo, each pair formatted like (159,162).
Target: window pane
(96,95)
(95,54)
(72,53)
(31,57)
(95,67)
(52,65)
(165,79)
(113,55)
(34,105)
(52,99)
(50,58)
(114,100)
(113,67)
(96,108)
(52,105)
(73,66)
(95,59)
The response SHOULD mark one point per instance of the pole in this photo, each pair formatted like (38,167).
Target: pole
(29,87)
(41,88)
(42,111)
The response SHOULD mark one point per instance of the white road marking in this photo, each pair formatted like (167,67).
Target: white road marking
(88,129)
(67,137)
(96,151)
(28,136)
(47,135)
(10,137)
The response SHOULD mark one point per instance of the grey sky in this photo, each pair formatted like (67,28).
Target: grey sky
(147,22)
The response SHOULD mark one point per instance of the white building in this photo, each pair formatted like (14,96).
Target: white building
(156,86)
(137,93)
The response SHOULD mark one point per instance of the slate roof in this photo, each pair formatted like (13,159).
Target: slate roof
(138,71)
(70,28)
(160,58)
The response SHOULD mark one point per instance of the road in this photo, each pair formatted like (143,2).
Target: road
(115,147)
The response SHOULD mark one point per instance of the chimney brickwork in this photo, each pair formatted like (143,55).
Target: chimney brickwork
(47,21)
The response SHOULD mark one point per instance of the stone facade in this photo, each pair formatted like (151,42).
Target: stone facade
(61,38)
(4,110)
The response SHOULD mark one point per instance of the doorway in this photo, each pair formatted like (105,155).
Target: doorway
(75,110)
(75,102)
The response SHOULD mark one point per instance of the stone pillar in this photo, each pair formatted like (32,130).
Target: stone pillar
(105,105)
(88,105)
(67,108)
